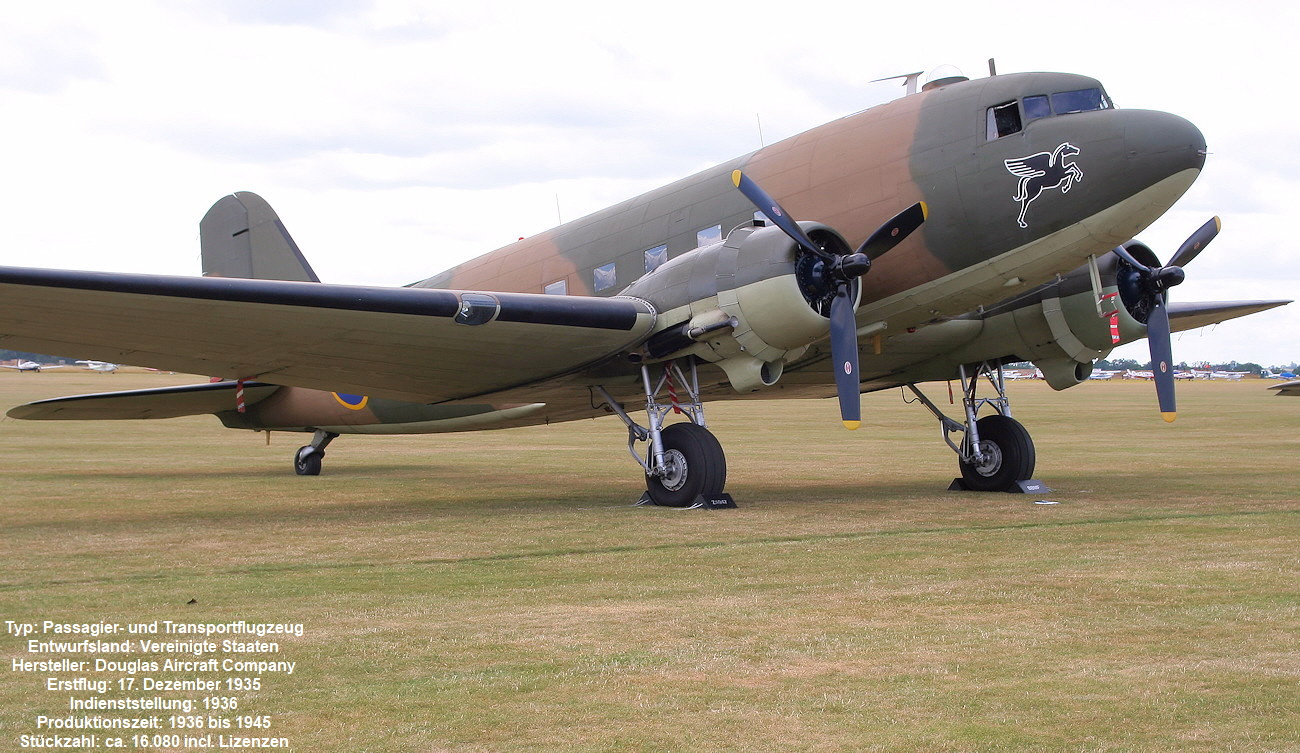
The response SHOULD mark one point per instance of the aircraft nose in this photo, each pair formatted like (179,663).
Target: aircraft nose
(1162,144)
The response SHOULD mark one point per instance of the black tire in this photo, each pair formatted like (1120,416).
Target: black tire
(699,467)
(1010,456)
(307,461)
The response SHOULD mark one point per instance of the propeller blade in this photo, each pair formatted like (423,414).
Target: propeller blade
(768,206)
(844,353)
(1123,253)
(893,232)
(1195,243)
(1162,357)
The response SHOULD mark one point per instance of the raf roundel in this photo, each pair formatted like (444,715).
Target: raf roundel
(351,402)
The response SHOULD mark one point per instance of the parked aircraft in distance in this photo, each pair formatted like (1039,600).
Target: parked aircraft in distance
(31,366)
(101,366)
(936,237)
(1266,374)
(1098,375)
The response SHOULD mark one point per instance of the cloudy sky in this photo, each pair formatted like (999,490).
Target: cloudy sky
(396,138)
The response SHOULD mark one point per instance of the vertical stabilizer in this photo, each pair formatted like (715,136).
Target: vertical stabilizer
(241,236)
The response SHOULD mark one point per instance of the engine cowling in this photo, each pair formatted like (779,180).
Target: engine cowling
(750,304)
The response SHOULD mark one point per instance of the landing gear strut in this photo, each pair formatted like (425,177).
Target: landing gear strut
(684,463)
(995,453)
(307,461)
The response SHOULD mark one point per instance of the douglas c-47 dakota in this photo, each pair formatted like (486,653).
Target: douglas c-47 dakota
(935,237)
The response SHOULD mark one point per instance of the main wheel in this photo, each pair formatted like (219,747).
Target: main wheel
(306,462)
(1008,455)
(696,466)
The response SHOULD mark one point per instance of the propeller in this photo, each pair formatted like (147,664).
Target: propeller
(830,274)
(1145,290)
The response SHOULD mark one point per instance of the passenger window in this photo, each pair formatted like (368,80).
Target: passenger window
(655,257)
(605,277)
(560,287)
(1082,100)
(708,235)
(1037,107)
(1003,120)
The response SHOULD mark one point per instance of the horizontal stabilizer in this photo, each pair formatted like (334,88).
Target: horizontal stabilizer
(1290,389)
(161,402)
(1185,316)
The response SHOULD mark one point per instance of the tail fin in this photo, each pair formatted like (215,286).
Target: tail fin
(242,236)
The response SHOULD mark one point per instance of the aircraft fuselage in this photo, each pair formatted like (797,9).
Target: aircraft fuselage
(853,173)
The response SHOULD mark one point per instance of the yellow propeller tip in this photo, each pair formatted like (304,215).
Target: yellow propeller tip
(852,425)
(1169,417)
(735,178)
(925,210)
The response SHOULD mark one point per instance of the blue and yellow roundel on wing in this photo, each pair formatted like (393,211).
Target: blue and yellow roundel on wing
(351,402)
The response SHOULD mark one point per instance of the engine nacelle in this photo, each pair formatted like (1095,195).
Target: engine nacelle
(746,304)
(1062,334)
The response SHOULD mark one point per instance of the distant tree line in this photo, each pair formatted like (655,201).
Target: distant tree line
(10,355)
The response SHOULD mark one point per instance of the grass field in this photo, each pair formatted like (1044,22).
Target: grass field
(495,592)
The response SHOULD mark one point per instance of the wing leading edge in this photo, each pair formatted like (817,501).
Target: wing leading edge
(415,344)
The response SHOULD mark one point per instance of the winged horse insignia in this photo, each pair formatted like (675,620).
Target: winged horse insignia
(1039,172)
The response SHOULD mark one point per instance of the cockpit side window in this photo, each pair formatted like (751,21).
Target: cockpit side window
(1003,120)
(1082,100)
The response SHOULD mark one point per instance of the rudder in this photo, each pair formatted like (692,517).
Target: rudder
(242,236)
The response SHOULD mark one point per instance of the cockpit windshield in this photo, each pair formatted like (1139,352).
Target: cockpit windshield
(1006,118)
(1063,103)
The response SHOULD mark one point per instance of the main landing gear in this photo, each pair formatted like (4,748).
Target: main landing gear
(307,460)
(683,462)
(995,453)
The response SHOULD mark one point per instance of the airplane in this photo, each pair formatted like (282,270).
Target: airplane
(1267,374)
(32,366)
(936,237)
(1103,375)
(101,366)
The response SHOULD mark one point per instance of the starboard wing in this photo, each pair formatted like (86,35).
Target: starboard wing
(1192,315)
(414,344)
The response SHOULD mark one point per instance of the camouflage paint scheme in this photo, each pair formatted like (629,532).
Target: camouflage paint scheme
(972,285)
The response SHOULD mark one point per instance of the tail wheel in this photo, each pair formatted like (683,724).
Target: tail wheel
(695,466)
(307,461)
(1008,455)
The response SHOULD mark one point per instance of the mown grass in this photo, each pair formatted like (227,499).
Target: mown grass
(494,591)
